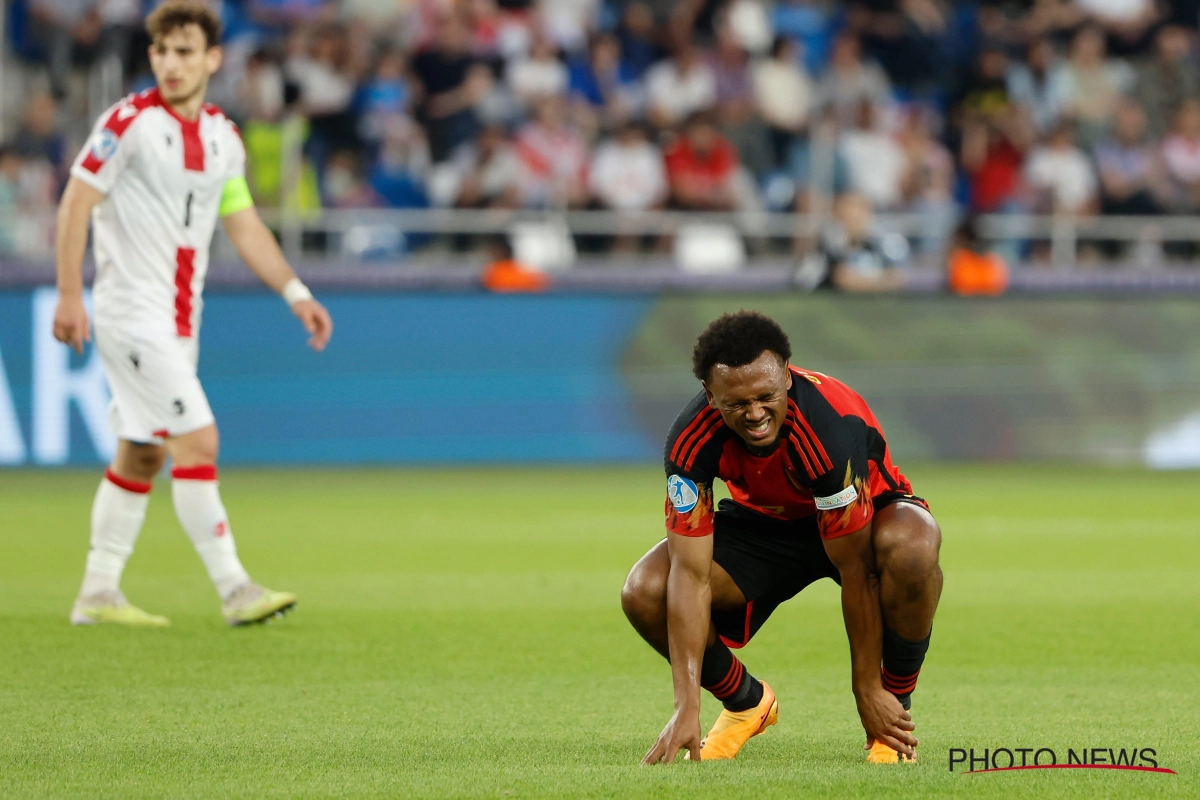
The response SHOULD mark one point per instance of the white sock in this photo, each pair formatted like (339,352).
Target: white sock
(117,516)
(198,506)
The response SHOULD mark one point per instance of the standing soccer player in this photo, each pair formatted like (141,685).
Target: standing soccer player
(815,495)
(158,171)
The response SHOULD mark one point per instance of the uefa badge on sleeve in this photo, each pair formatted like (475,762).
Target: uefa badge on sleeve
(104,145)
(683,493)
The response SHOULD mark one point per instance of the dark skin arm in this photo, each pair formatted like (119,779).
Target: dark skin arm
(689,600)
(883,718)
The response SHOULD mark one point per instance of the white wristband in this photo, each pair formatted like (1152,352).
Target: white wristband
(294,291)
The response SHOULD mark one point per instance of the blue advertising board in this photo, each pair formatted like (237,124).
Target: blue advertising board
(407,378)
(460,377)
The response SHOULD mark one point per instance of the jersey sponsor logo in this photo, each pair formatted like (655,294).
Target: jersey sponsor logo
(683,493)
(104,145)
(843,498)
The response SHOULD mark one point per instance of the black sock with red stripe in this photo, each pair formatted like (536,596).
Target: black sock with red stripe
(902,662)
(728,679)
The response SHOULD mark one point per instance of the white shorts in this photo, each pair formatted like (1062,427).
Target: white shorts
(156,393)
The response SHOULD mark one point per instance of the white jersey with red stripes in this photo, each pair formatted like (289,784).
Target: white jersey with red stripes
(163,178)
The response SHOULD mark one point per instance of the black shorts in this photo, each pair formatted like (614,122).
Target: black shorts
(771,561)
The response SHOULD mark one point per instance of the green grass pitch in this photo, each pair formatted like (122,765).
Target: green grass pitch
(459,635)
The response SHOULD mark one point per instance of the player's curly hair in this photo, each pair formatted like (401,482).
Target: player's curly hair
(178,13)
(736,340)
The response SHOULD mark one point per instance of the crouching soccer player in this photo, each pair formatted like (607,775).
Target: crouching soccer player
(814,495)
(158,171)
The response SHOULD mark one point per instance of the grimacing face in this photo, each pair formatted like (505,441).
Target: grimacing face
(752,399)
(182,63)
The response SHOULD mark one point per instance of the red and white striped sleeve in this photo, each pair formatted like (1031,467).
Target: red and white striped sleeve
(109,148)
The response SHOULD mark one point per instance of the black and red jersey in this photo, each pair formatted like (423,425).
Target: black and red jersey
(831,460)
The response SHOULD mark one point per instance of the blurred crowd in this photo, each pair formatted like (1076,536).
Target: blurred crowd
(921,106)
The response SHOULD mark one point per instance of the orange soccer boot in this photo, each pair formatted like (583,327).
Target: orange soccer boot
(880,753)
(733,729)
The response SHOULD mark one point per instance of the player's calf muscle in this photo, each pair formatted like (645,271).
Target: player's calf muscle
(907,542)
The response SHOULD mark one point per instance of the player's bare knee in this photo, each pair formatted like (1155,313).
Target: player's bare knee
(644,596)
(907,546)
(195,448)
(204,447)
(205,455)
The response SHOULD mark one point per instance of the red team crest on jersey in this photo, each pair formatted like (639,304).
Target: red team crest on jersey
(221,529)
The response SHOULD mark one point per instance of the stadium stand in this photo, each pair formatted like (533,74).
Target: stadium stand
(1067,132)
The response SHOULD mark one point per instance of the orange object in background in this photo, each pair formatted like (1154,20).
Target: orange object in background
(972,272)
(505,274)
(508,275)
(971,269)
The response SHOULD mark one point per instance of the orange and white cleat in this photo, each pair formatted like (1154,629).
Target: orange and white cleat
(733,729)
(880,753)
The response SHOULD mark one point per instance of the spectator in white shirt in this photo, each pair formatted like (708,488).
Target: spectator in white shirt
(327,81)
(321,71)
(539,75)
(875,162)
(679,87)
(628,173)
(567,22)
(1060,176)
(783,93)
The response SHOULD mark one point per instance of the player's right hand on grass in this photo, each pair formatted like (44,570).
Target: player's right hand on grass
(885,720)
(71,322)
(681,733)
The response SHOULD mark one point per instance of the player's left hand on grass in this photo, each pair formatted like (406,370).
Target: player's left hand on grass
(681,733)
(885,720)
(316,321)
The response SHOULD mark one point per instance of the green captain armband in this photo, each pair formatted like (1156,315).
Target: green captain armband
(235,197)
